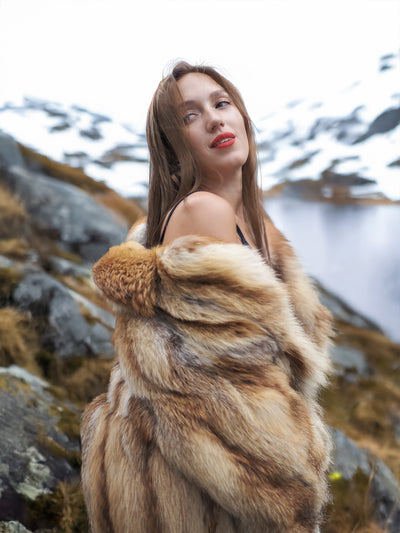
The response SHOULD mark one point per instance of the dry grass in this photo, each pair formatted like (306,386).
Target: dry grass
(88,381)
(85,287)
(14,248)
(9,279)
(130,210)
(78,379)
(62,510)
(13,216)
(62,172)
(64,254)
(18,340)
(382,354)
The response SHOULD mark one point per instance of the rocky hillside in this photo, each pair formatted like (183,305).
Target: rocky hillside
(56,354)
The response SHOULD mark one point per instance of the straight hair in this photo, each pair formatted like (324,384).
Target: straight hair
(173,169)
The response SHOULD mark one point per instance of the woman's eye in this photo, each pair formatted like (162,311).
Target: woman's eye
(189,117)
(222,103)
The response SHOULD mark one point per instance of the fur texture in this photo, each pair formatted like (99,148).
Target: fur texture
(210,423)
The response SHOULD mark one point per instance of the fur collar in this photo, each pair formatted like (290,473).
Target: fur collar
(229,306)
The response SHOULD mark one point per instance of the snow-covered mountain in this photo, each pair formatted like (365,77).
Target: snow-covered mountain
(345,147)
(351,141)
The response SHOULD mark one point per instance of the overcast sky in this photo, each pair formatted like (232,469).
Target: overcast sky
(109,55)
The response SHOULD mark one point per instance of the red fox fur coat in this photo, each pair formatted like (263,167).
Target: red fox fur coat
(210,422)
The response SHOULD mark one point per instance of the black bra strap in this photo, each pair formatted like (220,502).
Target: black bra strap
(238,230)
(242,237)
(170,215)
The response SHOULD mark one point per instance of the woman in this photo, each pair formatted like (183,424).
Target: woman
(211,422)
(189,158)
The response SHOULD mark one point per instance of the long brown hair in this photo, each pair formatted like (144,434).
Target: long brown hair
(173,169)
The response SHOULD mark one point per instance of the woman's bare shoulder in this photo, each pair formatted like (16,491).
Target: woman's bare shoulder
(202,213)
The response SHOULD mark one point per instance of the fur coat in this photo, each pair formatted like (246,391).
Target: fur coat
(211,421)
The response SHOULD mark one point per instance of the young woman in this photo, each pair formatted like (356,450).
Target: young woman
(200,139)
(211,421)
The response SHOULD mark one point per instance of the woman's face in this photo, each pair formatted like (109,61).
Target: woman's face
(214,126)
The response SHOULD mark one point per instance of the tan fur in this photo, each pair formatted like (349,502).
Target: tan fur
(210,423)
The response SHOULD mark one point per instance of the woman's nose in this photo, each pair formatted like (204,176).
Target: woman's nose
(214,120)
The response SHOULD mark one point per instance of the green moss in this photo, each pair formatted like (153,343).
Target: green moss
(69,421)
(71,365)
(45,360)
(364,409)
(350,509)
(57,392)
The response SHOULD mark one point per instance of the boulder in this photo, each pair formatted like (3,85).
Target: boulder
(349,362)
(61,326)
(9,152)
(35,454)
(67,213)
(96,312)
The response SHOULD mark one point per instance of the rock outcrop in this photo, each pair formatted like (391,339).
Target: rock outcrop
(72,216)
(56,355)
(39,441)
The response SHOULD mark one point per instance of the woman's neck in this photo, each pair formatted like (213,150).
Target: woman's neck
(230,190)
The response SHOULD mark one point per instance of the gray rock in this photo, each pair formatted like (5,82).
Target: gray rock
(67,268)
(103,316)
(66,212)
(386,121)
(13,527)
(62,328)
(348,360)
(93,133)
(35,382)
(385,490)
(34,454)
(342,311)
(5,262)
(347,456)
(99,340)
(9,152)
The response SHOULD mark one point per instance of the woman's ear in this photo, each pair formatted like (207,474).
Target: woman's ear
(126,275)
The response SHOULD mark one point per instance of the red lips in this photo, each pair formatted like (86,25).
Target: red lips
(223,140)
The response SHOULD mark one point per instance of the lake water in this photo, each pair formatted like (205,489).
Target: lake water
(354,251)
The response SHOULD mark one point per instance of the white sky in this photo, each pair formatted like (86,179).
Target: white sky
(109,55)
